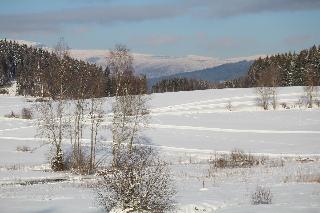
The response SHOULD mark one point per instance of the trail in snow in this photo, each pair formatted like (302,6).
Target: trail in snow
(17,128)
(260,131)
(213,104)
(23,139)
(211,151)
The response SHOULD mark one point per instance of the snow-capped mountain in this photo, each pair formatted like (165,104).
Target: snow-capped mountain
(153,66)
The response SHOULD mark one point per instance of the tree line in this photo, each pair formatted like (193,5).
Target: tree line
(181,84)
(288,69)
(43,73)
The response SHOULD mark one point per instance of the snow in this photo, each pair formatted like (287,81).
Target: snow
(188,128)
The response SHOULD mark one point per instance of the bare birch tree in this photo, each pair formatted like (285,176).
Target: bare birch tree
(311,88)
(120,63)
(52,127)
(96,118)
(130,111)
(137,180)
(264,95)
(51,122)
(267,87)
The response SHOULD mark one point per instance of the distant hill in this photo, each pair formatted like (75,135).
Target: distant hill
(220,73)
(153,66)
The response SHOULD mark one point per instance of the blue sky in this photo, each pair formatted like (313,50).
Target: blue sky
(216,28)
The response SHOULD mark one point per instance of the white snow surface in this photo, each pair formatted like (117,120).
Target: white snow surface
(188,128)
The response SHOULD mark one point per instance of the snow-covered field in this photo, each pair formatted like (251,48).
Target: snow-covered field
(188,128)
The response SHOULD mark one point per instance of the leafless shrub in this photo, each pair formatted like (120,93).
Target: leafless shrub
(301,176)
(221,162)
(241,159)
(266,96)
(41,100)
(26,113)
(236,159)
(311,93)
(79,162)
(23,148)
(301,102)
(284,105)
(309,178)
(11,115)
(76,164)
(304,160)
(229,106)
(139,182)
(262,195)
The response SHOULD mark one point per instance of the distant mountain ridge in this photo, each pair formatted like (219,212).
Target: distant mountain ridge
(153,66)
(220,73)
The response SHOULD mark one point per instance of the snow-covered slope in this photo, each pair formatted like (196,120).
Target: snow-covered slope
(188,129)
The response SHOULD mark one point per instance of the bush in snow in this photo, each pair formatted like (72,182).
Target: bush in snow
(285,105)
(311,93)
(229,106)
(77,162)
(303,176)
(236,159)
(262,195)
(12,115)
(264,96)
(23,149)
(26,113)
(139,182)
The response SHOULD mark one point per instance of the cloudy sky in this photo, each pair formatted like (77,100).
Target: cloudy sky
(217,28)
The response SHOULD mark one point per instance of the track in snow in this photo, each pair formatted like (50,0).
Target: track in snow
(211,129)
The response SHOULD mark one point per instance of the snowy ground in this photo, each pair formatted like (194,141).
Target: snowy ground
(188,128)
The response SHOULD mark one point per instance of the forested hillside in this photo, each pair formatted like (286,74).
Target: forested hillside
(39,72)
(288,69)
(215,74)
